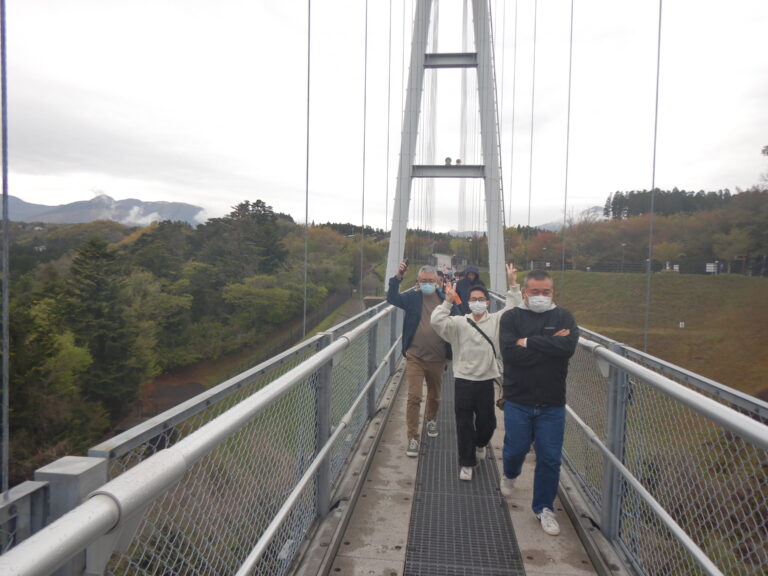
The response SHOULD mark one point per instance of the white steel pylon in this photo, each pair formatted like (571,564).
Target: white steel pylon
(489,171)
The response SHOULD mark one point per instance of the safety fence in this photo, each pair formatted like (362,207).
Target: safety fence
(231,481)
(673,466)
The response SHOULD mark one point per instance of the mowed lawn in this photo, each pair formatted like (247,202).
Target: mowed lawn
(716,326)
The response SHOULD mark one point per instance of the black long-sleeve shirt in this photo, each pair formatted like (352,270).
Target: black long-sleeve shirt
(534,375)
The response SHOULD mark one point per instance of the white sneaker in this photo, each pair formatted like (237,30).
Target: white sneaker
(413,448)
(548,522)
(465,473)
(507,485)
(480,453)
(432,428)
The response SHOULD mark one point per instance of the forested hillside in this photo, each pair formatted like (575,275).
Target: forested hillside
(97,310)
(732,232)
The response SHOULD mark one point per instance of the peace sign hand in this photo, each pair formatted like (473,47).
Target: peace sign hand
(511,274)
(450,293)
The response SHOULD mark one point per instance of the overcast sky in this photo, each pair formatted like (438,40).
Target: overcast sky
(205,102)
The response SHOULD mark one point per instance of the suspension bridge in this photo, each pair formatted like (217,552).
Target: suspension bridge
(297,466)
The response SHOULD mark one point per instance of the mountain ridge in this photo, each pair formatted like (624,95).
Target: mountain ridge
(130,212)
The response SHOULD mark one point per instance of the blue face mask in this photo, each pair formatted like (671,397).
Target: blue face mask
(427,288)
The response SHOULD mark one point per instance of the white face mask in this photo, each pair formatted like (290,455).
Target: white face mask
(539,304)
(477,307)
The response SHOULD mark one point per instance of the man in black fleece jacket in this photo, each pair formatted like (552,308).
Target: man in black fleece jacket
(537,339)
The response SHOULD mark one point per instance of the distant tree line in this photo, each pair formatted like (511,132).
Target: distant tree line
(98,310)
(733,236)
(353,230)
(696,233)
(623,205)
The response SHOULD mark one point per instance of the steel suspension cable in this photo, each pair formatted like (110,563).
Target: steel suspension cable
(498,103)
(653,191)
(512,139)
(503,54)
(500,112)
(365,127)
(400,198)
(462,220)
(533,103)
(389,118)
(6,238)
(567,138)
(429,196)
(306,172)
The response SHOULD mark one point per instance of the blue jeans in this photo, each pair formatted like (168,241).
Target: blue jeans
(545,428)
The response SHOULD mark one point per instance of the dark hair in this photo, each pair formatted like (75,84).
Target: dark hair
(479,287)
(536,275)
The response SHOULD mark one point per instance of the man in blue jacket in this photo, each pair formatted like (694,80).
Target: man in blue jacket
(425,352)
(537,339)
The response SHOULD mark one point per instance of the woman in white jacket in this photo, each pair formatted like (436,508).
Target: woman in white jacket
(474,339)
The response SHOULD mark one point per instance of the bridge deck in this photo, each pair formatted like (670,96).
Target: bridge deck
(374,538)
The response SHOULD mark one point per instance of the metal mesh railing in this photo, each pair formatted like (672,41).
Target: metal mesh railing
(586,395)
(168,428)
(710,480)
(208,523)
(236,469)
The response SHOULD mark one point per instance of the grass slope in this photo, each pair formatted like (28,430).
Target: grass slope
(725,333)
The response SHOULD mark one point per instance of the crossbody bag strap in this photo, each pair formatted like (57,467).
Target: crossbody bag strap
(498,381)
(476,327)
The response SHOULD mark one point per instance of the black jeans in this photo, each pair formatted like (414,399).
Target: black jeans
(475,417)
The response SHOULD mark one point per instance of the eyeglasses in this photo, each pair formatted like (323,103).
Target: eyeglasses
(478,299)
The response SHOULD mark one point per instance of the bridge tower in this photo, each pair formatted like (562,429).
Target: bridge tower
(490,171)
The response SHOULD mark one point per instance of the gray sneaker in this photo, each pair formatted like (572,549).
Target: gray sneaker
(413,448)
(432,428)
(507,485)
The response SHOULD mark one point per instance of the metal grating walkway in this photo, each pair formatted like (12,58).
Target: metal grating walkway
(458,528)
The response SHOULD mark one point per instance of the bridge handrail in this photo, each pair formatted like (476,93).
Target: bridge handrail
(699,555)
(271,531)
(141,433)
(124,442)
(730,395)
(748,428)
(676,480)
(115,506)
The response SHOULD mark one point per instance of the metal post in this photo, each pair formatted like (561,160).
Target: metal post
(615,425)
(392,337)
(372,365)
(70,480)
(323,430)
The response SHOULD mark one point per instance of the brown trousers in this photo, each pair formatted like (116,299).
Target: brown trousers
(416,372)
